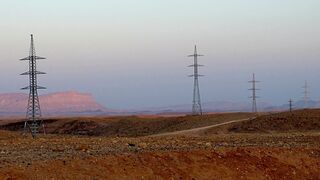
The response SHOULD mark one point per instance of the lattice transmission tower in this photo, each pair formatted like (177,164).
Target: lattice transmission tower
(290,105)
(254,93)
(33,121)
(306,93)
(196,102)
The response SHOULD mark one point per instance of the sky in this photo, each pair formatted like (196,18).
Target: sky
(133,53)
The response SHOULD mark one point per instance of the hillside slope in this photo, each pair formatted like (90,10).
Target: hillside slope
(297,121)
(129,126)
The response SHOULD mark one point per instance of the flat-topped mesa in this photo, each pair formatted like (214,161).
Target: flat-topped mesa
(72,102)
(60,103)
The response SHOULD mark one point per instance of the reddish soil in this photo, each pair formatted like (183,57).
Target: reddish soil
(246,156)
(118,148)
(240,163)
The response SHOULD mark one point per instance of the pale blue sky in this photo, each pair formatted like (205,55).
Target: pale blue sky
(132,53)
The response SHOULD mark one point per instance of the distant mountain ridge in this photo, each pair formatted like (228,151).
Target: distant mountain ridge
(60,103)
(73,103)
(214,106)
(226,106)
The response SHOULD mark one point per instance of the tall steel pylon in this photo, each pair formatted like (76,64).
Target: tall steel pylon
(254,93)
(306,94)
(196,103)
(33,121)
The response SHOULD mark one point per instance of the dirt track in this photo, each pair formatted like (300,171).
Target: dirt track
(196,131)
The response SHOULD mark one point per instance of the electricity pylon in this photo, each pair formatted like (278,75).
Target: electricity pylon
(196,103)
(290,105)
(306,94)
(254,93)
(33,121)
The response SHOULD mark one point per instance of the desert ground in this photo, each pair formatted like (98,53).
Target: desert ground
(280,145)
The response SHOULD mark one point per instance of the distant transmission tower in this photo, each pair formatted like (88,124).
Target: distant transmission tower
(306,94)
(254,95)
(290,105)
(33,121)
(196,103)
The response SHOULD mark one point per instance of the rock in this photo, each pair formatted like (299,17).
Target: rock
(131,145)
(82,148)
(208,144)
(58,149)
(143,145)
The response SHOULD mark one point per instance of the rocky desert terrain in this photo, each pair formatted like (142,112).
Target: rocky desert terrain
(216,146)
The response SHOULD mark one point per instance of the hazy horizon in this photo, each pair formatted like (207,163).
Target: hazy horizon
(134,54)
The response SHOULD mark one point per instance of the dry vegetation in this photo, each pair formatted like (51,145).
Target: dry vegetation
(127,151)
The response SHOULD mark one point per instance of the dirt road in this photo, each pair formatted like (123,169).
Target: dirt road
(196,131)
